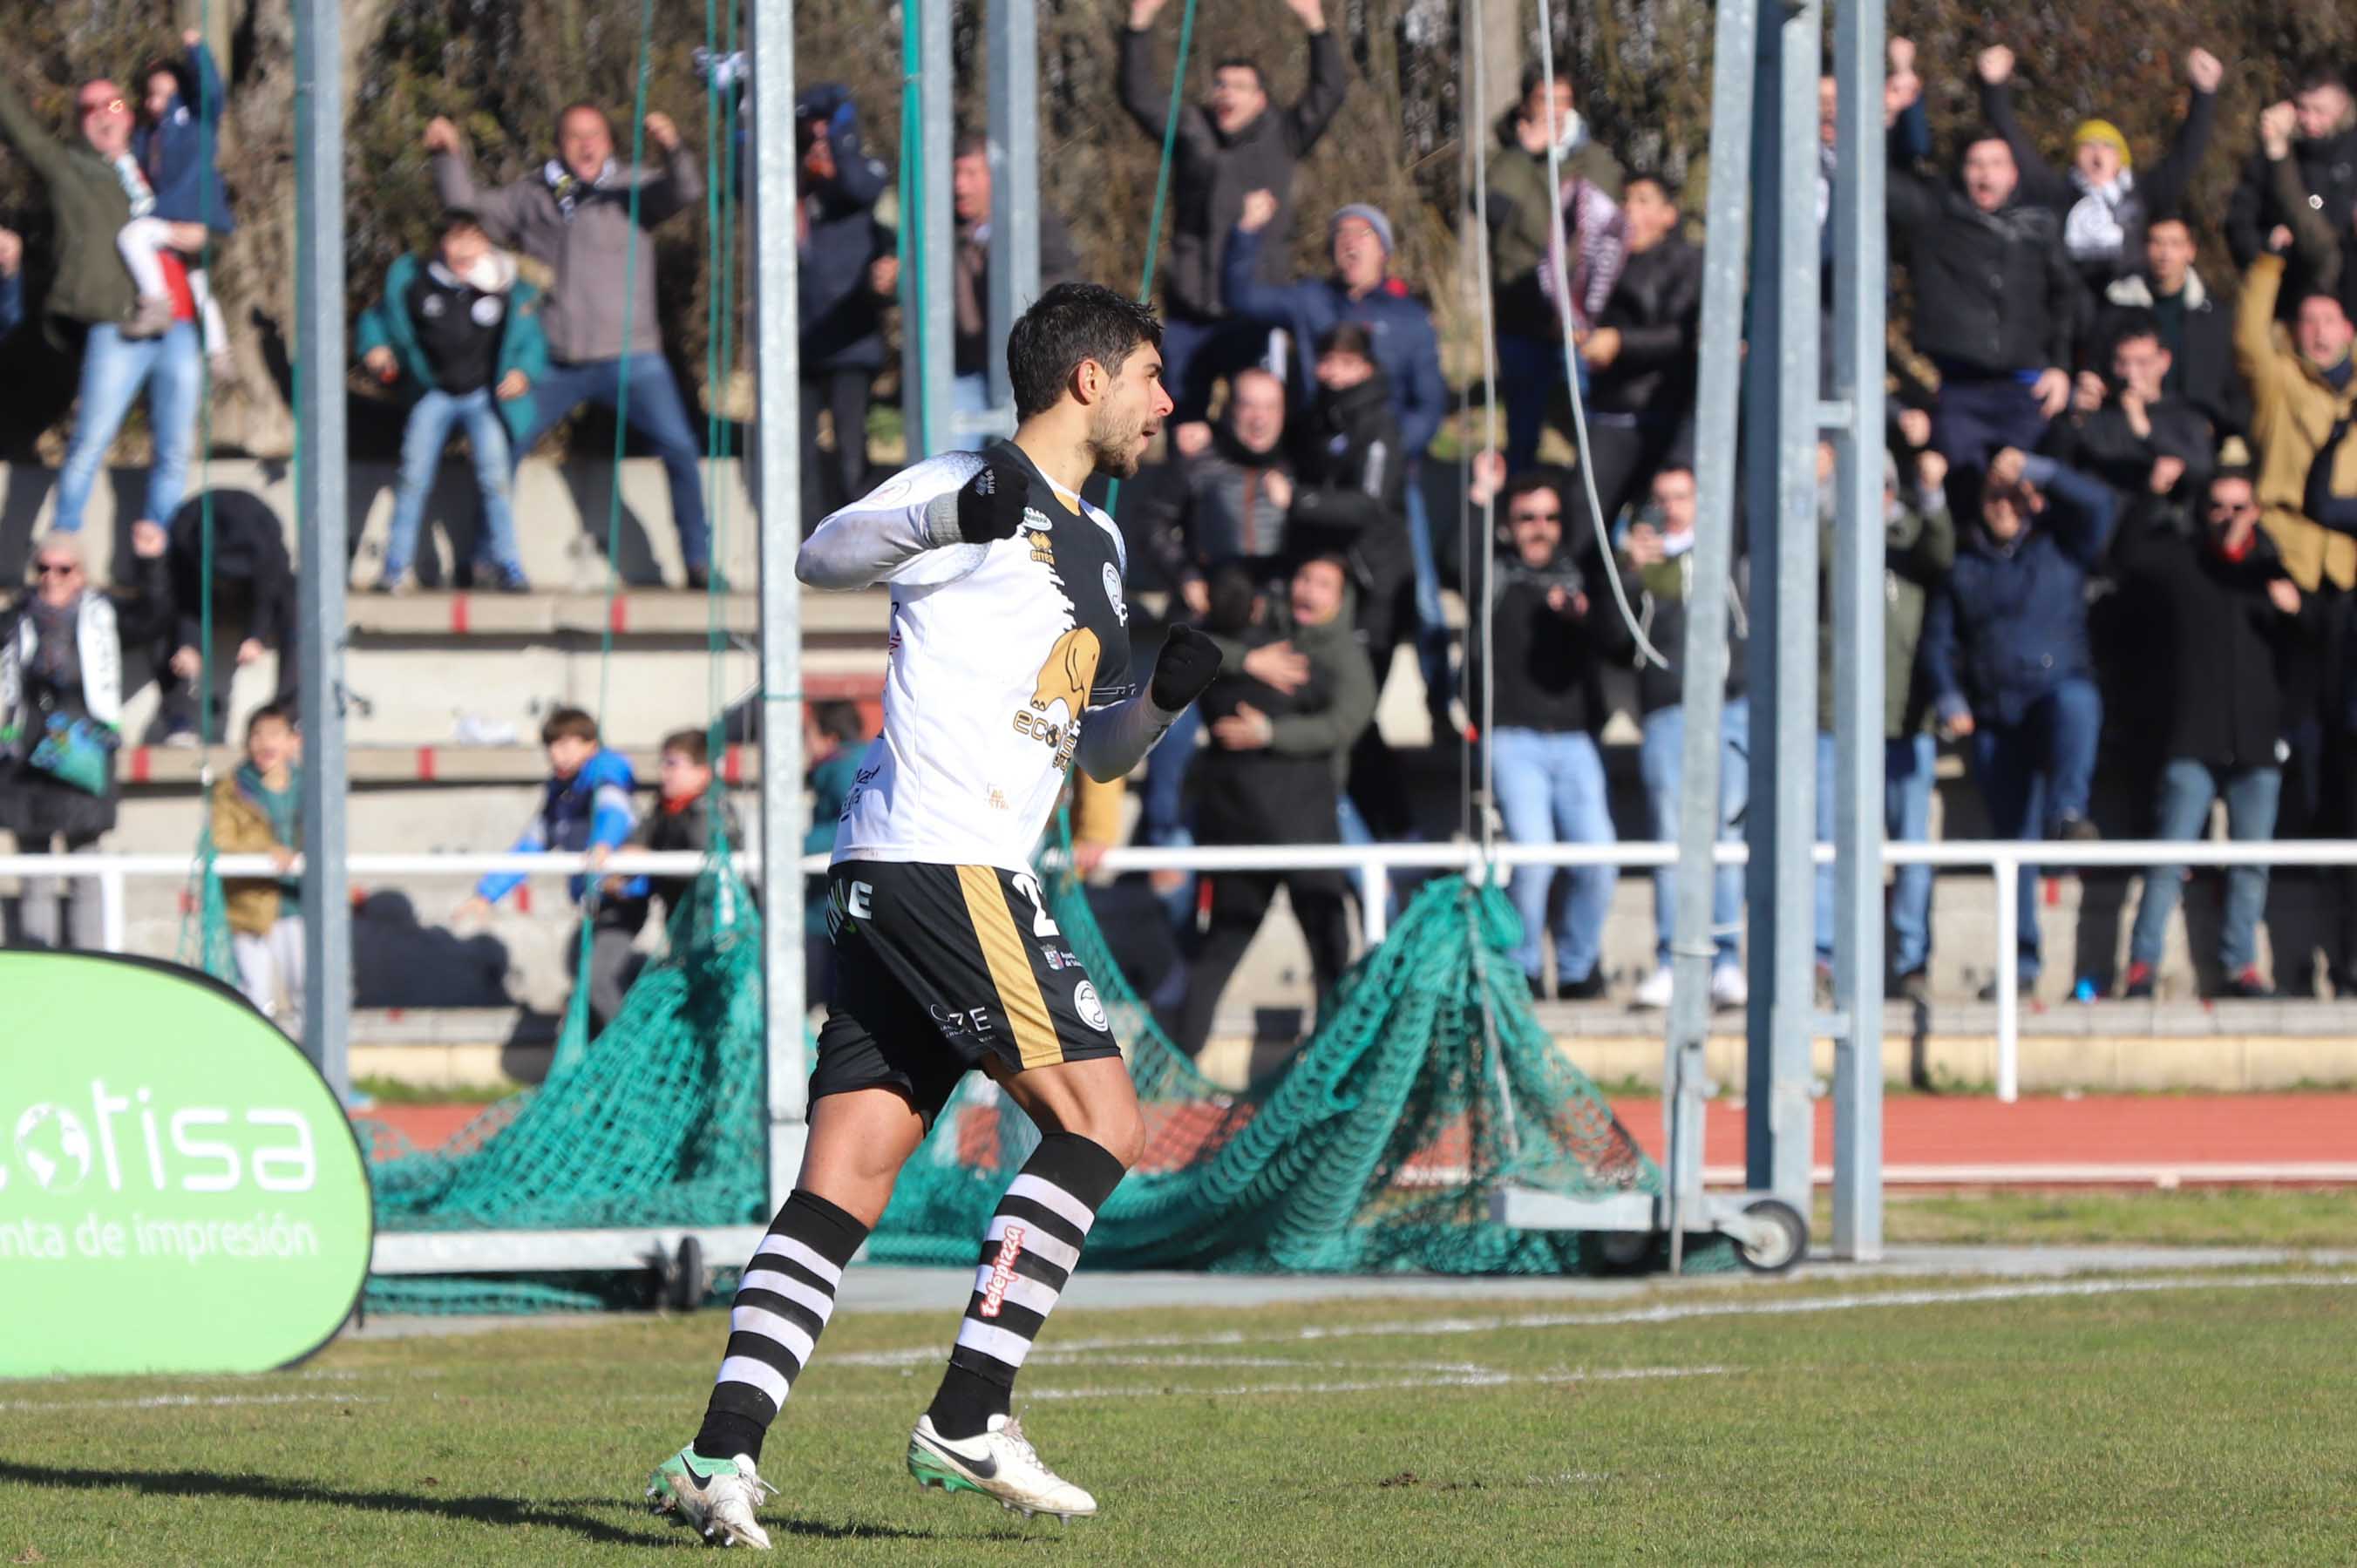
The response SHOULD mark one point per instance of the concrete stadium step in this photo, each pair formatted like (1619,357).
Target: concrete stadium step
(560,507)
(425,668)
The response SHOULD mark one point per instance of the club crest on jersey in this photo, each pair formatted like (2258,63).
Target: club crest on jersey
(1065,676)
(1113,594)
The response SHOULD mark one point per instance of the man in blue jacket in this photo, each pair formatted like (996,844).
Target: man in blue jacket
(841,315)
(461,332)
(586,806)
(1406,351)
(2005,650)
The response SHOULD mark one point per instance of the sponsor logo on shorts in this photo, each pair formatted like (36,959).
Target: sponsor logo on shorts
(1091,1011)
(1002,1274)
(970,1020)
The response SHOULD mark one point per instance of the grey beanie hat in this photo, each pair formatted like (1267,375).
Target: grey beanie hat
(1372,216)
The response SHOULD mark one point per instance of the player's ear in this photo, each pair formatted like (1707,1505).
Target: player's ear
(1088,380)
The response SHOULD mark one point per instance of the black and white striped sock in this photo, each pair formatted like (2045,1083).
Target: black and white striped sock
(1028,1252)
(782,1302)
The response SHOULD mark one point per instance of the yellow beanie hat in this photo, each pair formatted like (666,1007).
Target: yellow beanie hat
(2107,132)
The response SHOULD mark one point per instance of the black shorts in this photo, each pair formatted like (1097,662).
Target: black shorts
(939,969)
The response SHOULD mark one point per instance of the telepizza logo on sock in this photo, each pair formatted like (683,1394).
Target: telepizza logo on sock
(1002,1274)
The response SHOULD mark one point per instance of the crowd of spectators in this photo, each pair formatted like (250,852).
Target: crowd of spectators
(2121,499)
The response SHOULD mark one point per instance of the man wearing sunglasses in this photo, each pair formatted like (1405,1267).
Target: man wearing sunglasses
(60,710)
(2226,618)
(95,187)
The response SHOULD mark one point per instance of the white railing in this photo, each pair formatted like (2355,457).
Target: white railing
(1374,864)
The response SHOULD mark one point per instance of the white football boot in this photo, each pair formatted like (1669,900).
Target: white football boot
(998,1463)
(717,1497)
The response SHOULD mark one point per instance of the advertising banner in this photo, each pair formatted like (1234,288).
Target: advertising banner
(179,1191)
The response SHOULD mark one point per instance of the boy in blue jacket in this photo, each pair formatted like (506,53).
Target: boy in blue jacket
(174,145)
(460,333)
(586,806)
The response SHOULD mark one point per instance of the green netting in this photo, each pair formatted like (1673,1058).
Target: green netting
(658,1121)
(204,914)
(1427,1085)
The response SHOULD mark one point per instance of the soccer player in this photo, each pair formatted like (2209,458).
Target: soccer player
(1010,661)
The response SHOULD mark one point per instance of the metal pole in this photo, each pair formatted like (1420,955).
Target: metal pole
(319,514)
(1859,242)
(778,447)
(1013,184)
(936,123)
(2009,979)
(1705,654)
(1779,443)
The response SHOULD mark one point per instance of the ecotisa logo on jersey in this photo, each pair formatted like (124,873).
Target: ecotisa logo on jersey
(160,1142)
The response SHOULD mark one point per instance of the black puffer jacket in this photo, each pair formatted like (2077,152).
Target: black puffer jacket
(1353,490)
(842,321)
(2223,643)
(1994,292)
(2326,168)
(1656,307)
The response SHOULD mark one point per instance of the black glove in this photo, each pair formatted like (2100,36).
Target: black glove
(990,505)
(1189,662)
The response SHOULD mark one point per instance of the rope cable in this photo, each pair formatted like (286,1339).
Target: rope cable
(1561,261)
(205,918)
(573,1037)
(1162,183)
(721,206)
(1486,304)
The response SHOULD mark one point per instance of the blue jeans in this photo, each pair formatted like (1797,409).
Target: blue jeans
(113,370)
(1163,820)
(422,440)
(1530,375)
(1661,760)
(1973,417)
(2032,774)
(1551,790)
(1198,350)
(657,413)
(1906,768)
(2182,811)
(1432,626)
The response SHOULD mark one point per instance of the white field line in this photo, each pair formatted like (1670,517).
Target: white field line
(1486,1379)
(1664,1313)
(174,1402)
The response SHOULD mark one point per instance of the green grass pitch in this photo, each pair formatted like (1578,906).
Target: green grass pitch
(2159,1419)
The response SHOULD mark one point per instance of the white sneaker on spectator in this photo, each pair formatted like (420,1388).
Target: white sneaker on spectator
(1728,988)
(1653,995)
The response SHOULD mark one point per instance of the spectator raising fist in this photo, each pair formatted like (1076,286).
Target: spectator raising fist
(1260,208)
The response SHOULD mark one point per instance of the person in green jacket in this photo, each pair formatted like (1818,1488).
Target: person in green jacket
(95,187)
(1523,203)
(1919,546)
(460,333)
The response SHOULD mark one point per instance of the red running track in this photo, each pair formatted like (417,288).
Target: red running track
(1968,1140)
(2128,1138)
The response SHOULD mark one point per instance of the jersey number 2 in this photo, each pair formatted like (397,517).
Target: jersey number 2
(1041,925)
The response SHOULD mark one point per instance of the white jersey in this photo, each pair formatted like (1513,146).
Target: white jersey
(997,651)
